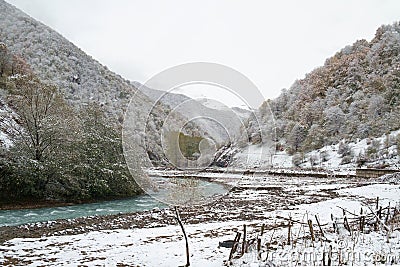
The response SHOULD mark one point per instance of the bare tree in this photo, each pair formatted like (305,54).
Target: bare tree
(178,218)
(43,115)
(184,192)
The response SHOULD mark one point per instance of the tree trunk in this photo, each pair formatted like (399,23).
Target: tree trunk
(178,218)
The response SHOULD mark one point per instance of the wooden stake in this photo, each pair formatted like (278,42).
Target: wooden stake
(377,214)
(259,242)
(333,224)
(362,222)
(235,245)
(330,256)
(387,214)
(244,239)
(319,226)
(289,230)
(311,230)
(346,224)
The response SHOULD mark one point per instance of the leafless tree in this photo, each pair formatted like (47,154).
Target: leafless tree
(43,115)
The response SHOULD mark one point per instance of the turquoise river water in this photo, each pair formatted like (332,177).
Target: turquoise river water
(134,204)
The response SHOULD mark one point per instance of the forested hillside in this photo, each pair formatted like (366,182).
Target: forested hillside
(355,94)
(61,119)
(80,78)
(52,150)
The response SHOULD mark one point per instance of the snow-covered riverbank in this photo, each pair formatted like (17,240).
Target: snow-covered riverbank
(153,239)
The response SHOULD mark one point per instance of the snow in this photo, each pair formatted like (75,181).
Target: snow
(5,140)
(164,246)
(393,178)
(8,124)
(257,156)
(368,248)
(386,193)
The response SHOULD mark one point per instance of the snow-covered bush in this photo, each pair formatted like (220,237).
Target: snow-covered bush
(313,160)
(297,159)
(346,160)
(344,149)
(398,145)
(361,159)
(372,149)
(324,156)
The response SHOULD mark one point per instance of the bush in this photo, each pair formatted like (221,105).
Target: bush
(346,160)
(398,144)
(373,149)
(22,178)
(361,159)
(297,159)
(344,149)
(324,156)
(313,160)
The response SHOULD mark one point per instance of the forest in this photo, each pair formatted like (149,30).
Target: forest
(59,152)
(354,95)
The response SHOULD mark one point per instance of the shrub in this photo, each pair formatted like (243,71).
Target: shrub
(324,156)
(398,145)
(344,149)
(313,160)
(297,159)
(346,160)
(361,159)
(373,149)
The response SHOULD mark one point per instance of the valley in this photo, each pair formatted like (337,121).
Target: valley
(97,169)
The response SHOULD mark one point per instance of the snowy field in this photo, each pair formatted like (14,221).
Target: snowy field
(275,200)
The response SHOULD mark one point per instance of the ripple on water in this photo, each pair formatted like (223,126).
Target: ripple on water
(31,214)
(143,204)
(57,212)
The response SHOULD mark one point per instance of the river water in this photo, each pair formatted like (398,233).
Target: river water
(134,204)
(138,203)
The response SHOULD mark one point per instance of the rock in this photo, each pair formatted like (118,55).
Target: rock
(226,244)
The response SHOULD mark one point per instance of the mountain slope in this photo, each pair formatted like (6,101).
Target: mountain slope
(356,94)
(79,77)
(220,125)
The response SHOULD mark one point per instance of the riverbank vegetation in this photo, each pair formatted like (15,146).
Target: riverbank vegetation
(57,152)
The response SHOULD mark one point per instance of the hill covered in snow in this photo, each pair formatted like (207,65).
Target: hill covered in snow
(61,115)
(80,78)
(354,96)
(217,122)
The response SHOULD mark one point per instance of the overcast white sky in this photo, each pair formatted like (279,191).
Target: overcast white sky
(271,42)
